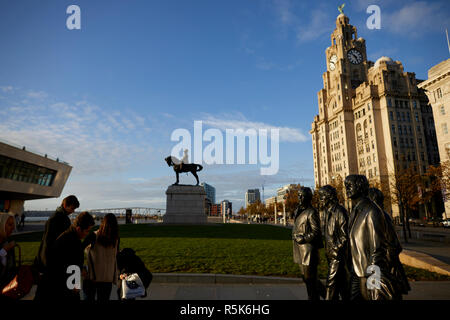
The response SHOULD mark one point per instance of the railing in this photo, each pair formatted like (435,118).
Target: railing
(31,151)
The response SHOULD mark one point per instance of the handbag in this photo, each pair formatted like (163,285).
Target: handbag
(132,287)
(22,282)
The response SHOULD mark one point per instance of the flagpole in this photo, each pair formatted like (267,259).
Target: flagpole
(448,43)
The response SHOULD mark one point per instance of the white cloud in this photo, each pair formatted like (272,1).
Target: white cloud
(416,18)
(7,88)
(92,140)
(320,24)
(284,12)
(238,121)
(37,94)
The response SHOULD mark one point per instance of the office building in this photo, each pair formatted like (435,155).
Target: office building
(251,196)
(373,119)
(437,88)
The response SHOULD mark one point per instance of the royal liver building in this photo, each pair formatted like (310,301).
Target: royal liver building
(372,118)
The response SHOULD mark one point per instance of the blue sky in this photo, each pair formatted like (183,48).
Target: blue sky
(106,98)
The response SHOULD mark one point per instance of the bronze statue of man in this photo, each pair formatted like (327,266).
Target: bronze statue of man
(336,244)
(307,239)
(395,267)
(368,244)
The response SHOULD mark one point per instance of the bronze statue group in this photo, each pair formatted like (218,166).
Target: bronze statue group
(362,248)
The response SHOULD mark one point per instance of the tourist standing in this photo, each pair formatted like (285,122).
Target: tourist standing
(66,251)
(102,260)
(54,227)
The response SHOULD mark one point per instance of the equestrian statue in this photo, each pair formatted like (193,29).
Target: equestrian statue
(180,166)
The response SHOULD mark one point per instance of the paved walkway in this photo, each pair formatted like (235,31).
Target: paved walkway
(438,250)
(421,290)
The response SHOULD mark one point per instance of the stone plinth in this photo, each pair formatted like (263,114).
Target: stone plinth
(185,204)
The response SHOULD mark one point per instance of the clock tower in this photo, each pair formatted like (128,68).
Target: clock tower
(373,120)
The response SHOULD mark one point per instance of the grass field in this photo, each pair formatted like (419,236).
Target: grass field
(223,248)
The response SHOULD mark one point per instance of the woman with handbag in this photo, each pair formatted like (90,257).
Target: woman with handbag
(102,260)
(7,259)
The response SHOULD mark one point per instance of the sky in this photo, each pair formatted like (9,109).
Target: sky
(106,98)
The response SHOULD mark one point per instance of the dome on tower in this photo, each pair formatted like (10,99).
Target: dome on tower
(383,59)
(342,19)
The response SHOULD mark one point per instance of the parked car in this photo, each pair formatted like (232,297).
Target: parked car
(434,222)
(446,223)
(416,222)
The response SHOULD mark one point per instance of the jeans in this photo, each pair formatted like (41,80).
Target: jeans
(102,289)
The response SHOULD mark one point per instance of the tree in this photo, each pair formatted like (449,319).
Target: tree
(404,192)
(439,179)
(242,212)
(292,200)
(338,183)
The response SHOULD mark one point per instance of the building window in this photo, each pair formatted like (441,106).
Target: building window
(389,102)
(18,170)
(444,128)
(393,128)
(439,93)
(400,130)
(392,115)
(442,110)
(417,117)
(368,106)
(414,104)
(374,158)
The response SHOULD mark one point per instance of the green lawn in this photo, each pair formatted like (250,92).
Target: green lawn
(225,248)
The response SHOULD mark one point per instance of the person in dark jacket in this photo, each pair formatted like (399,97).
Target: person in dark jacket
(336,244)
(394,248)
(54,227)
(368,243)
(67,251)
(307,239)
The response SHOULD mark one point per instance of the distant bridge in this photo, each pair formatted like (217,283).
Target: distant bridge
(136,211)
(120,212)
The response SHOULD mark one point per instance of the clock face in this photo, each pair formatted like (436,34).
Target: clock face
(354,56)
(334,58)
(332,66)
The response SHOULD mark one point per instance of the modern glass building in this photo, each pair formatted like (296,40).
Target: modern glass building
(251,196)
(26,175)
(210,192)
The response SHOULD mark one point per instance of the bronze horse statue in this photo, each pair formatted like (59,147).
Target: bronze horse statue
(184,167)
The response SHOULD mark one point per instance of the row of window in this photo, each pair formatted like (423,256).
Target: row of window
(18,170)
(401,104)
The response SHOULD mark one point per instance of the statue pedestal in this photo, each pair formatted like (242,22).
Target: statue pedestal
(185,205)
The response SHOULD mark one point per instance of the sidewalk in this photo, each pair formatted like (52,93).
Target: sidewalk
(421,290)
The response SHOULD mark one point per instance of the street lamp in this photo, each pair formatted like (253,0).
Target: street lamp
(284,206)
(275,209)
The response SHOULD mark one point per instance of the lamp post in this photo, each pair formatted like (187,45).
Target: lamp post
(275,209)
(284,207)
